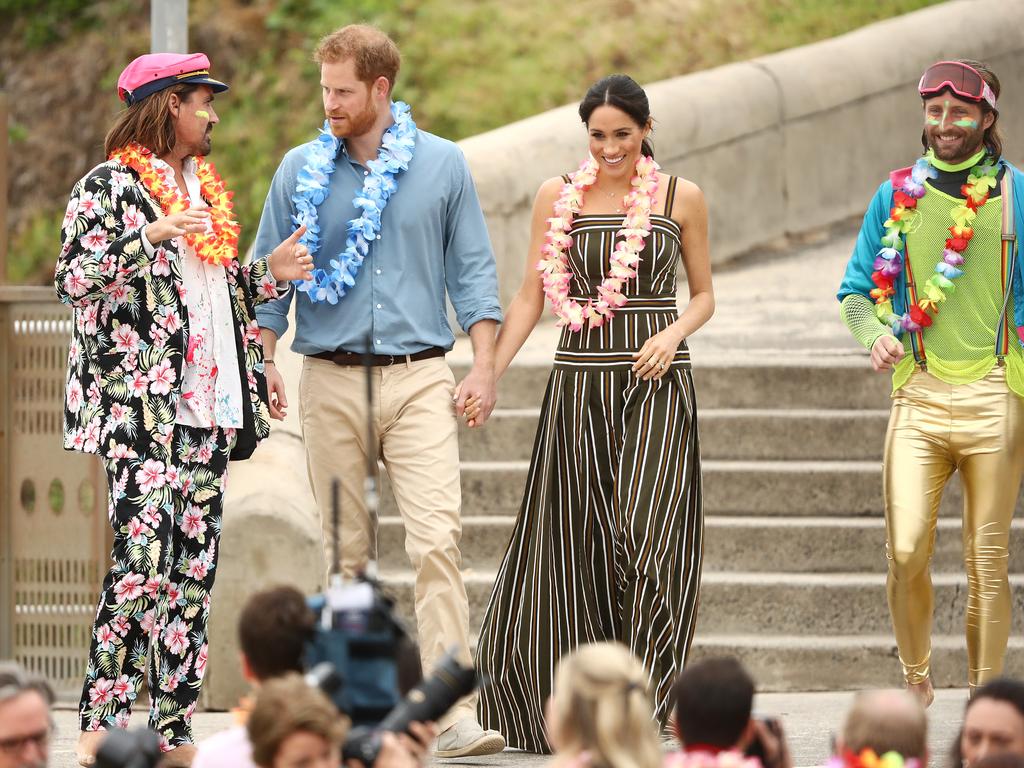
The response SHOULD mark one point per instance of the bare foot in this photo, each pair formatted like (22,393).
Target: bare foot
(88,746)
(924,692)
(179,757)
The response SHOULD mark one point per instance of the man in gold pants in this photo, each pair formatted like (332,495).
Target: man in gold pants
(941,235)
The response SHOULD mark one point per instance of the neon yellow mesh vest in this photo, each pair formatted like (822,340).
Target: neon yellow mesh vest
(959,346)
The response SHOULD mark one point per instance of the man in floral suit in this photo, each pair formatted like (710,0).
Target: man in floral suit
(165,383)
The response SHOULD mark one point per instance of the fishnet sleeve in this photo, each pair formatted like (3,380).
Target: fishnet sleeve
(858,313)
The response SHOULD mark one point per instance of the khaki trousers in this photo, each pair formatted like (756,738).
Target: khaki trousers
(416,437)
(935,428)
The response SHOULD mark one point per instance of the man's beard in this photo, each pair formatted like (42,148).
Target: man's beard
(203,147)
(968,145)
(358,124)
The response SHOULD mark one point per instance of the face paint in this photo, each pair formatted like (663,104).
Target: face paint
(966,123)
(203,114)
(932,121)
(945,112)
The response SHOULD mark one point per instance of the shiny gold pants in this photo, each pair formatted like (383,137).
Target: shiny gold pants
(934,429)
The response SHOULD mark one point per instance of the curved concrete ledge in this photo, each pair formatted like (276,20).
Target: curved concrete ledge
(780,144)
(270,536)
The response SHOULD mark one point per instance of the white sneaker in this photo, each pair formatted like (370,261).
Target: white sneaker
(467,739)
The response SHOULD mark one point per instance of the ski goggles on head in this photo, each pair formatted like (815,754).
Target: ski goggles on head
(963,80)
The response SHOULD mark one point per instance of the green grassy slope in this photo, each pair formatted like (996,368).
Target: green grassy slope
(468,66)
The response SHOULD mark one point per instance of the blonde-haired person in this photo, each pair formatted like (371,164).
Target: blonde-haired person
(599,714)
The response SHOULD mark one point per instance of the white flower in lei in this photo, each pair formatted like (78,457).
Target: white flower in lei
(312,187)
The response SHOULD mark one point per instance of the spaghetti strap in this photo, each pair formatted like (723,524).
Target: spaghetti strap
(670,196)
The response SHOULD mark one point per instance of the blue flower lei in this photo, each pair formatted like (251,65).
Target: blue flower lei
(312,188)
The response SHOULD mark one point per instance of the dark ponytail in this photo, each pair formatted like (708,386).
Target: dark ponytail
(623,93)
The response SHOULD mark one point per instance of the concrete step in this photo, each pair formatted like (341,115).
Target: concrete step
(767,604)
(725,433)
(841,662)
(754,544)
(776,488)
(844,383)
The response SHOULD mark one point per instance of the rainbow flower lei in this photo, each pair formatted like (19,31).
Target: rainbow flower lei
(313,186)
(635,228)
(867,758)
(219,244)
(889,261)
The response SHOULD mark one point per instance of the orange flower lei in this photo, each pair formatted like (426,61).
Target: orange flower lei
(219,244)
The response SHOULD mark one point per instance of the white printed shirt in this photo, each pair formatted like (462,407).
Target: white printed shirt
(211,388)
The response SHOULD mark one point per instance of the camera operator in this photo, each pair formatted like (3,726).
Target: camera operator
(714,700)
(273,629)
(25,722)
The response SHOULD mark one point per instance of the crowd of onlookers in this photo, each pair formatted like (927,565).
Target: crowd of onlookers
(599,715)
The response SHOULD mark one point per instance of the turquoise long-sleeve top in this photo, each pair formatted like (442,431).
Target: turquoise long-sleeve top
(857,279)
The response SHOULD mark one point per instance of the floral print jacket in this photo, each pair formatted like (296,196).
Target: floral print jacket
(131,323)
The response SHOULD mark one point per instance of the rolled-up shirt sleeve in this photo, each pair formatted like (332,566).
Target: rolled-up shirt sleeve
(275,225)
(471,275)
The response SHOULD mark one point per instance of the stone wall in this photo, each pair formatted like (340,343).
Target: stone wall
(781,144)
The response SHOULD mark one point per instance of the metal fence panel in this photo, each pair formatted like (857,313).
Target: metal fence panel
(55,537)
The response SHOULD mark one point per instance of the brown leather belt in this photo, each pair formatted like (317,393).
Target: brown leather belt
(341,357)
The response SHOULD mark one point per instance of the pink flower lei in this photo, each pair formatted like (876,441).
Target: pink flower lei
(636,226)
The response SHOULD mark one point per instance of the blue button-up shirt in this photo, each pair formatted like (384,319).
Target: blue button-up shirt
(433,240)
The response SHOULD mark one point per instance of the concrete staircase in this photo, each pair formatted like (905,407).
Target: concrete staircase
(794,574)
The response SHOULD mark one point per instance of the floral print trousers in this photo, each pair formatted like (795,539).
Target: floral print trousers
(155,604)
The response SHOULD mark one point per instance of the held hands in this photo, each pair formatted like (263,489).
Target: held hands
(191,221)
(656,355)
(275,390)
(475,397)
(886,352)
(290,260)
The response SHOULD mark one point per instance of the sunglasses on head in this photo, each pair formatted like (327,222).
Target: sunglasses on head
(963,80)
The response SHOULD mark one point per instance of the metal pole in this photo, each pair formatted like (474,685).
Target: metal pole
(168,26)
(3,187)
(7,493)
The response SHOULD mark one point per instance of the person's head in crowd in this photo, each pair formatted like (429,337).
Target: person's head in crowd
(885,721)
(993,723)
(25,722)
(713,701)
(599,706)
(273,629)
(293,725)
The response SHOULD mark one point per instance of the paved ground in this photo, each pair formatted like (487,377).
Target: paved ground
(809,720)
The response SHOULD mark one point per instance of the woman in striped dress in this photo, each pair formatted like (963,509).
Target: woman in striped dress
(607,544)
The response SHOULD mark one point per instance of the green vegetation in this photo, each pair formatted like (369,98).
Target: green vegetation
(468,65)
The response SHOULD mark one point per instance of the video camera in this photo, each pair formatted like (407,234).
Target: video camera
(353,654)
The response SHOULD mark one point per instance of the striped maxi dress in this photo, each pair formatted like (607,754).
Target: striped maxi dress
(608,541)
